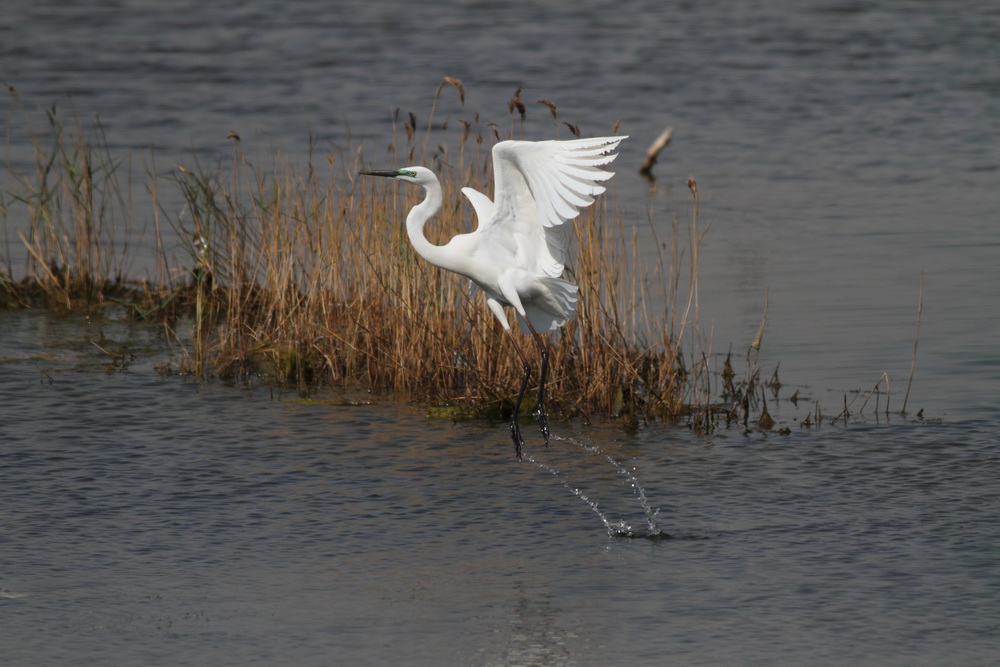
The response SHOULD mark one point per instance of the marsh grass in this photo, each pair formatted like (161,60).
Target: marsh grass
(75,222)
(305,277)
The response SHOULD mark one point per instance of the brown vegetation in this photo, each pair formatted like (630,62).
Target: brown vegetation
(306,278)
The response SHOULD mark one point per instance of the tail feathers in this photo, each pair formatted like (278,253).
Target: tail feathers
(553,307)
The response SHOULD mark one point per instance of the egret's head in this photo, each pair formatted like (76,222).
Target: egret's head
(418,175)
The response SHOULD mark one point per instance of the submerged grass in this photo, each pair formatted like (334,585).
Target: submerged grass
(306,278)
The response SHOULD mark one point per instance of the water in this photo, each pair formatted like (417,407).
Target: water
(841,150)
(619,527)
(153,520)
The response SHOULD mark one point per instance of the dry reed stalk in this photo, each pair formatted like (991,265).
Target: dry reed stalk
(916,341)
(884,378)
(654,150)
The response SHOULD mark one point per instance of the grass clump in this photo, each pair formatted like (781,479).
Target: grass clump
(305,277)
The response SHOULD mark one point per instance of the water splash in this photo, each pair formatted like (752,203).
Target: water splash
(619,528)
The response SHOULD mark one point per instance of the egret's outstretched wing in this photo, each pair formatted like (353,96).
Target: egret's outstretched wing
(539,185)
(482,204)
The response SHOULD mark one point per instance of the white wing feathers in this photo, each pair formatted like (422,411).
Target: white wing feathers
(563,176)
(482,204)
(539,185)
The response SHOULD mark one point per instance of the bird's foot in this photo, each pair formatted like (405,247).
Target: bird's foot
(543,423)
(515,435)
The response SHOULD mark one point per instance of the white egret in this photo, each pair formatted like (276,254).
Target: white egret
(518,251)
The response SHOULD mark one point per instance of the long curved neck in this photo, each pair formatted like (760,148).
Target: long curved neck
(415,221)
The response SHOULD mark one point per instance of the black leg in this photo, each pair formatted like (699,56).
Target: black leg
(515,427)
(539,411)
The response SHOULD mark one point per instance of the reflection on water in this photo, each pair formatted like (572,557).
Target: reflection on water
(158,520)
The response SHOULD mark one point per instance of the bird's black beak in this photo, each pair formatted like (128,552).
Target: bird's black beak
(388,173)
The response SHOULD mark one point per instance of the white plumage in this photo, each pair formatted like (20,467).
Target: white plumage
(518,252)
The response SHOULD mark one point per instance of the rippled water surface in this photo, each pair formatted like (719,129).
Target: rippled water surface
(154,520)
(842,150)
